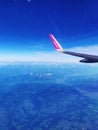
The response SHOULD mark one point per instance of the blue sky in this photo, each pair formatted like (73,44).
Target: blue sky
(25,25)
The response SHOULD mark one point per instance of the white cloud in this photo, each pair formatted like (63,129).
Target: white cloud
(51,56)
(87,49)
(59,57)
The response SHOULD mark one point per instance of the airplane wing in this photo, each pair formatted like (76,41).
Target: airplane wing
(86,57)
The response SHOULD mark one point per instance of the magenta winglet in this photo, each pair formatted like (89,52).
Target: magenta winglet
(55,43)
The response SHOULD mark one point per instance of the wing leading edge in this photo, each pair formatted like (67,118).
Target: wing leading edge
(86,57)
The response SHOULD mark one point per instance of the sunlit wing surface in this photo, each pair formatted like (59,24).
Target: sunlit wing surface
(86,57)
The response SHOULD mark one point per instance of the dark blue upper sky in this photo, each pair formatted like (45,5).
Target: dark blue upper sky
(27,23)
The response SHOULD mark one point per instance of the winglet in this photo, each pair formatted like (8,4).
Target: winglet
(55,43)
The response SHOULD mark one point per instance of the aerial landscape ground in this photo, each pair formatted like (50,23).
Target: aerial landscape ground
(48,96)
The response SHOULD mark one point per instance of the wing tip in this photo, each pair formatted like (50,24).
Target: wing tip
(55,42)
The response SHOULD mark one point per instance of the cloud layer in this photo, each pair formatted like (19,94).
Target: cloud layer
(53,56)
